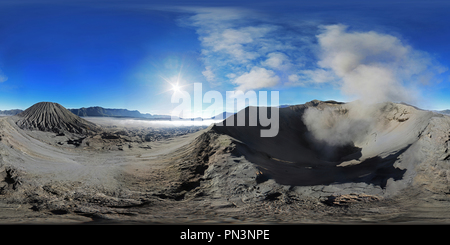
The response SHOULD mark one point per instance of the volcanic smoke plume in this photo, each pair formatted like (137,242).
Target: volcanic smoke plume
(371,67)
(338,127)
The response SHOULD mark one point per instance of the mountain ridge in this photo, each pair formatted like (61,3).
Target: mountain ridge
(10,112)
(97,111)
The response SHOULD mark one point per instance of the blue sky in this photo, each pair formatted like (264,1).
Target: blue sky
(120,54)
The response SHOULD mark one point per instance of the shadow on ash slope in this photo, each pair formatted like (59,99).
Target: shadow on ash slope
(379,149)
(330,162)
(346,153)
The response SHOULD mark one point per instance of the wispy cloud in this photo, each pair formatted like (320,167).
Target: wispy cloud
(3,77)
(312,77)
(209,75)
(243,48)
(277,60)
(248,50)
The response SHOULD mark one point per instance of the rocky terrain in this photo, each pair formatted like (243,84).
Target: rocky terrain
(330,163)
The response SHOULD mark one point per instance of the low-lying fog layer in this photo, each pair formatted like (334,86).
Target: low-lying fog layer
(132,122)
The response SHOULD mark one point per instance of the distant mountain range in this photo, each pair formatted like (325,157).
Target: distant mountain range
(10,112)
(97,111)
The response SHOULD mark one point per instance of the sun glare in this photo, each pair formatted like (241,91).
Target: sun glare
(176,87)
(176,84)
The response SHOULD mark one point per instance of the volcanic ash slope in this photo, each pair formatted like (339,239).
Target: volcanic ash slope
(330,149)
(38,170)
(382,157)
(52,117)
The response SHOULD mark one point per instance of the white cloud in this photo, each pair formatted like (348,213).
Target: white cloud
(372,66)
(312,78)
(235,40)
(225,34)
(343,51)
(239,44)
(245,49)
(231,75)
(215,16)
(255,79)
(294,78)
(209,74)
(277,60)
(318,76)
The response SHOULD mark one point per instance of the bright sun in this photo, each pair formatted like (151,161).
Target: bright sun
(174,83)
(176,87)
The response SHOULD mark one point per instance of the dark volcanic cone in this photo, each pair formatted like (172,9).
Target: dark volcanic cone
(52,117)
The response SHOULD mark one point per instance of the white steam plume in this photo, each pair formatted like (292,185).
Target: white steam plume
(374,67)
(371,67)
(336,127)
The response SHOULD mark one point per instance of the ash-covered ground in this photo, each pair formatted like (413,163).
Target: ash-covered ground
(330,163)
